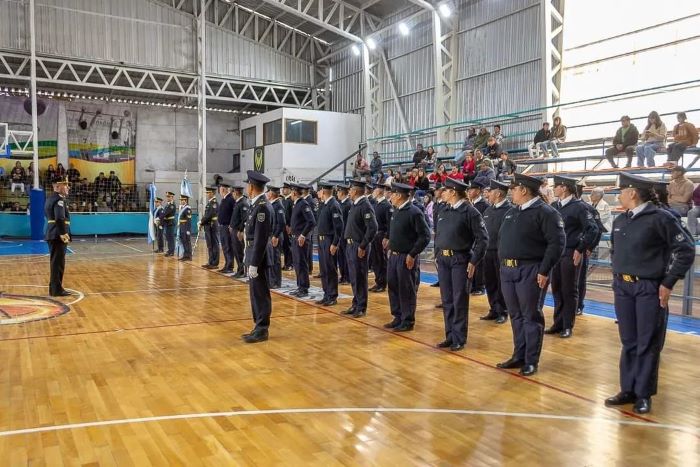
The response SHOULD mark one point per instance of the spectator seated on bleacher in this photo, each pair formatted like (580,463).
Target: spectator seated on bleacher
(439,176)
(469,140)
(455,174)
(680,191)
(361,167)
(17,177)
(479,158)
(557,135)
(375,167)
(694,213)
(498,135)
(469,167)
(653,138)
(16,207)
(505,167)
(73,174)
(421,182)
(540,137)
(484,175)
(419,155)
(49,176)
(685,135)
(481,139)
(492,149)
(430,158)
(624,142)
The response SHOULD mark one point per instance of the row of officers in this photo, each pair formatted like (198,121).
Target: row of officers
(521,247)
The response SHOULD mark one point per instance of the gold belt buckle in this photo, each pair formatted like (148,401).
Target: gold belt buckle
(349,241)
(512,263)
(627,278)
(320,237)
(446,252)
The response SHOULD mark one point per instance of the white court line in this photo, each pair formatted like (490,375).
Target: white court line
(429,411)
(80,295)
(180,289)
(125,246)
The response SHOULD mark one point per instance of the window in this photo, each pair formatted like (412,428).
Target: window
(272,132)
(300,131)
(236,163)
(248,138)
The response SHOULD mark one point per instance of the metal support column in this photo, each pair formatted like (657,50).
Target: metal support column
(202,107)
(32,92)
(394,94)
(439,95)
(552,16)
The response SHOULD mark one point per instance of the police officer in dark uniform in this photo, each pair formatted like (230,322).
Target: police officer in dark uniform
(258,229)
(238,218)
(409,234)
(584,263)
(313,204)
(493,218)
(210,226)
(360,230)
(650,252)
(158,221)
(382,212)
(302,225)
(169,212)
(581,233)
(531,242)
(345,205)
(438,206)
(274,247)
(474,194)
(330,236)
(460,246)
(224,219)
(57,235)
(287,242)
(185,226)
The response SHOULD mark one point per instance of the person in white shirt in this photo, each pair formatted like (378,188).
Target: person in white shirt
(602,207)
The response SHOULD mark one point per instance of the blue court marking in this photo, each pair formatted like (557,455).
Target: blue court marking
(23,247)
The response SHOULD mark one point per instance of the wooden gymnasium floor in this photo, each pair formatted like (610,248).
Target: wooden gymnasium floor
(148,369)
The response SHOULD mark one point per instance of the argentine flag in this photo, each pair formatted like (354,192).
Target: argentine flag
(151,209)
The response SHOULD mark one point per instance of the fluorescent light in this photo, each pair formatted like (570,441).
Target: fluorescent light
(371,44)
(295,122)
(445,10)
(403,28)
(355,50)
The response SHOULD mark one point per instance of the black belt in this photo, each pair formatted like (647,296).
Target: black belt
(514,263)
(627,277)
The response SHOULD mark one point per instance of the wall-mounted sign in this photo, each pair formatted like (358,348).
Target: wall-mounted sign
(259,159)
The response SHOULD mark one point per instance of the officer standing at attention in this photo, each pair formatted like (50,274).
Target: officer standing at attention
(158,221)
(330,235)
(224,219)
(238,218)
(302,224)
(382,212)
(584,263)
(460,246)
(650,252)
(531,242)
(359,233)
(475,197)
(185,221)
(493,218)
(57,235)
(409,234)
(274,247)
(169,222)
(313,204)
(258,229)
(438,206)
(287,242)
(210,226)
(581,233)
(345,205)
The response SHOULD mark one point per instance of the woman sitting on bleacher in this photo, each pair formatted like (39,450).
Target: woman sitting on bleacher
(439,176)
(685,135)
(557,135)
(653,138)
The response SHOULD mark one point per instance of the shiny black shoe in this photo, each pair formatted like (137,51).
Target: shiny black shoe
(225,271)
(392,324)
(302,293)
(379,290)
(255,338)
(331,302)
(293,293)
(477,292)
(404,328)
(372,289)
(501,319)
(169,254)
(323,301)
(62,293)
(359,314)
(239,275)
(436,284)
(579,312)
(343,282)
(621,398)
(510,364)
(253,331)
(350,311)
(566,333)
(552,330)
(456,347)
(489,317)
(643,405)
(528,370)
(444,344)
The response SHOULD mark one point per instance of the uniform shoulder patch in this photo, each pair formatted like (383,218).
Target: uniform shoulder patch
(561,223)
(368,216)
(261,217)
(679,237)
(308,209)
(281,211)
(589,215)
(336,215)
(60,203)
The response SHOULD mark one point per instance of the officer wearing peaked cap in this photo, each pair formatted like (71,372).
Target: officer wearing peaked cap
(224,215)
(650,253)
(302,224)
(169,212)
(345,205)
(584,263)
(258,229)
(581,233)
(274,246)
(57,235)
(185,228)
(158,221)
(239,215)
(210,225)
(330,236)
(287,203)
(460,246)
(475,196)
(531,241)
(382,211)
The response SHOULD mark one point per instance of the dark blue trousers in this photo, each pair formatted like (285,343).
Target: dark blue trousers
(274,266)
(379,263)
(287,249)
(454,292)
(582,283)
(260,301)
(343,262)
(186,240)
(492,276)
(522,296)
(210,234)
(238,248)
(226,246)
(565,278)
(402,289)
(358,268)
(328,264)
(159,238)
(300,257)
(310,253)
(170,238)
(642,326)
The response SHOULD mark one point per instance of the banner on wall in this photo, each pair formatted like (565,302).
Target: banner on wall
(13,111)
(102,138)
(259,159)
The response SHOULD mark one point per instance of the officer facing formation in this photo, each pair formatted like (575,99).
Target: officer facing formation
(185,226)
(302,223)
(57,236)
(287,243)
(382,211)
(530,244)
(474,194)
(584,263)
(409,234)
(360,230)
(158,221)
(581,232)
(274,247)
(313,204)
(169,222)
(209,223)
(258,229)
(238,218)
(345,205)
(224,219)
(330,236)
(493,218)
(439,205)
(460,246)
(650,252)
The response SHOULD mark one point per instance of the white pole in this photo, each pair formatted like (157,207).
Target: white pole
(35,125)
(202,106)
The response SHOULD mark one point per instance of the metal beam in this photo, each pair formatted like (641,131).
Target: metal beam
(202,107)
(397,103)
(552,50)
(312,19)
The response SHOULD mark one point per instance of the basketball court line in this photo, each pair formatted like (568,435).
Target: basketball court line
(346,410)
(179,289)
(125,246)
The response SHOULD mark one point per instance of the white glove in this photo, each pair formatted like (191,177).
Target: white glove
(252,272)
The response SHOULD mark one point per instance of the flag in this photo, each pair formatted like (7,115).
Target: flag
(186,187)
(151,209)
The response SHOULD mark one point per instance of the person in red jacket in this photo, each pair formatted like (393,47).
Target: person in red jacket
(439,176)
(469,166)
(455,174)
